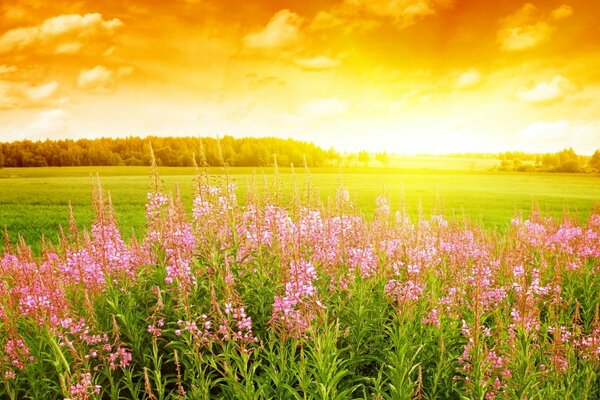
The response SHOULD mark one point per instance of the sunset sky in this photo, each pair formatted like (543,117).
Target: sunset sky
(407,76)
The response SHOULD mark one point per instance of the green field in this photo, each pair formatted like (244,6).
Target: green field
(34,201)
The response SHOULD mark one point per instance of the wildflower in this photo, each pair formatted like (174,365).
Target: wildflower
(120,358)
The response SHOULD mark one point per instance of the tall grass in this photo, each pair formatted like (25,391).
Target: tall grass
(301,301)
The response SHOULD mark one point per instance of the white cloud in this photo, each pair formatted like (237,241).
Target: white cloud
(528,28)
(319,63)
(404,12)
(23,94)
(468,79)
(97,80)
(283,30)
(59,35)
(364,15)
(49,124)
(545,93)
(326,20)
(322,108)
(7,69)
(41,92)
(397,9)
(562,12)
(68,48)
(525,37)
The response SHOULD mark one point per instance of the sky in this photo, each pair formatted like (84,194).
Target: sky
(404,76)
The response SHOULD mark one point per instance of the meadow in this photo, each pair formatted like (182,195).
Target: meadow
(34,201)
(278,297)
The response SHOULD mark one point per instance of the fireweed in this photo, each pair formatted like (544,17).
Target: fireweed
(298,300)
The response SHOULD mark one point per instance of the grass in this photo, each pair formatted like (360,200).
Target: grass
(34,201)
(265,302)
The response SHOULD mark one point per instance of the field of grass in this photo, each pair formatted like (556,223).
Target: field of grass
(264,301)
(34,201)
(436,163)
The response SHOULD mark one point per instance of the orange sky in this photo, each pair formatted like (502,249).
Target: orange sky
(409,76)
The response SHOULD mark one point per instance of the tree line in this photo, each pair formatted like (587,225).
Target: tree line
(244,152)
(168,151)
(565,160)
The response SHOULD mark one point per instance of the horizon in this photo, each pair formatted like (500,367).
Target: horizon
(414,77)
(343,153)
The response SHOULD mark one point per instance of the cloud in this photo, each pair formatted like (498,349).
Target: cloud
(99,80)
(364,15)
(323,108)
(319,63)
(389,8)
(24,95)
(528,28)
(282,31)
(325,20)
(403,11)
(352,16)
(256,82)
(102,80)
(468,79)
(41,92)
(545,93)
(7,69)
(64,34)
(525,37)
(49,124)
(562,12)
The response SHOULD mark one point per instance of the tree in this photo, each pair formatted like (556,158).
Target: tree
(333,156)
(595,161)
(568,161)
(364,158)
(569,166)
(550,161)
(505,164)
(383,158)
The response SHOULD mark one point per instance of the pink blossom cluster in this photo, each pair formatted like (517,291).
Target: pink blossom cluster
(568,238)
(589,345)
(102,257)
(17,354)
(234,326)
(120,358)
(213,211)
(296,308)
(84,389)
(170,231)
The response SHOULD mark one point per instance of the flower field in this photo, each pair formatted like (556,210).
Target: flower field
(302,301)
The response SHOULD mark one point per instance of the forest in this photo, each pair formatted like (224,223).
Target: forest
(168,151)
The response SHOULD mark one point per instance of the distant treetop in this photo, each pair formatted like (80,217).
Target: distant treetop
(169,151)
